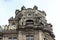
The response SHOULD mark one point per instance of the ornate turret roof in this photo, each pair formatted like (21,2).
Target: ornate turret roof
(28,18)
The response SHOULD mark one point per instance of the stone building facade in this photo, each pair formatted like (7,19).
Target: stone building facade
(28,24)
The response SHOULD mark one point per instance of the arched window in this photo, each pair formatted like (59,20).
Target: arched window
(29,22)
(14,38)
(10,38)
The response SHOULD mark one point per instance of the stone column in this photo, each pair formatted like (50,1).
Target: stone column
(41,35)
(19,35)
(24,37)
(5,38)
(36,35)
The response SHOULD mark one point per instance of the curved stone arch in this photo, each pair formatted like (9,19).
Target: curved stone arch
(29,21)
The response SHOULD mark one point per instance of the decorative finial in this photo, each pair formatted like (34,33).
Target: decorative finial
(23,8)
(35,7)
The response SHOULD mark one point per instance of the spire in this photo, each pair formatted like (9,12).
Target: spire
(35,7)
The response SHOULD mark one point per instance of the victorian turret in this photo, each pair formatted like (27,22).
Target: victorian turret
(28,24)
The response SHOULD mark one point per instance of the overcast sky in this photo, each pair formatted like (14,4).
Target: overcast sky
(51,7)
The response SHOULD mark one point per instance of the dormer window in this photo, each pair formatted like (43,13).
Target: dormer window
(29,22)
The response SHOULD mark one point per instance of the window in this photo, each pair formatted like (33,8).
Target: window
(29,37)
(29,14)
(36,14)
(13,23)
(37,19)
(0,37)
(10,38)
(14,38)
(41,23)
(44,38)
(29,22)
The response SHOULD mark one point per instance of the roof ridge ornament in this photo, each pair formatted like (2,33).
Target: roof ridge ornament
(35,7)
(23,7)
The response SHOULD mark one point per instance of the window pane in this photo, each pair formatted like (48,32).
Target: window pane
(10,38)
(14,38)
(29,37)
(32,38)
(29,22)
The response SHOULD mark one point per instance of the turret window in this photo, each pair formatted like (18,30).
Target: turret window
(29,22)
(13,24)
(29,15)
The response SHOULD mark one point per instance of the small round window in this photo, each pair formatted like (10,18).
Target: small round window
(29,14)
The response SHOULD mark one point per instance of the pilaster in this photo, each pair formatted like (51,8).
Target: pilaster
(41,35)
(20,35)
